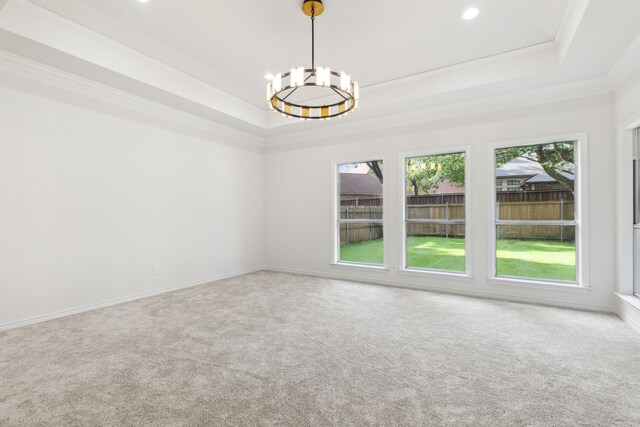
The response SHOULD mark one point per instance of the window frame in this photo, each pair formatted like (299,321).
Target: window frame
(403,268)
(635,157)
(336,221)
(580,221)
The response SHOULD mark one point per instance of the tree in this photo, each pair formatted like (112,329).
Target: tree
(426,173)
(557,159)
(376,169)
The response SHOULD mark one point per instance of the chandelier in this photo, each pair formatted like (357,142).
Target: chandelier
(343,93)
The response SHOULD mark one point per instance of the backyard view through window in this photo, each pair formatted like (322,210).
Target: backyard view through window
(360,212)
(435,212)
(535,212)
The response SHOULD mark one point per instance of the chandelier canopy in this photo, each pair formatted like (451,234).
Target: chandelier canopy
(341,95)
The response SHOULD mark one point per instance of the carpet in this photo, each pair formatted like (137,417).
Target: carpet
(279,349)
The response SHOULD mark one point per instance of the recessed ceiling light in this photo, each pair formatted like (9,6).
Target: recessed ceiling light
(268,76)
(144,1)
(470,13)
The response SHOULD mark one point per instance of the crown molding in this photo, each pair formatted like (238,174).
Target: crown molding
(192,124)
(626,65)
(518,63)
(28,20)
(189,123)
(569,25)
(486,105)
(471,65)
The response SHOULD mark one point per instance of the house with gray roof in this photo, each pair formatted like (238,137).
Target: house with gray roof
(522,174)
(355,185)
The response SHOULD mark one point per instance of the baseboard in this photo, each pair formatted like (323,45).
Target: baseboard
(445,290)
(629,310)
(115,301)
(623,314)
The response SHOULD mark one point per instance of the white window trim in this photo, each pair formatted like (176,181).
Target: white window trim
(335,229)
(581,203)
(624,216)
(464,275)
(635,156)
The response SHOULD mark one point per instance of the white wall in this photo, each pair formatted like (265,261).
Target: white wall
(93,195)
(298,196)
(90,202)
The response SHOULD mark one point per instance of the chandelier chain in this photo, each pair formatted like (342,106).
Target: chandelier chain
(313,38)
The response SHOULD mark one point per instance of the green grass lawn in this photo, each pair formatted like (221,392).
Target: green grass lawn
(538,259)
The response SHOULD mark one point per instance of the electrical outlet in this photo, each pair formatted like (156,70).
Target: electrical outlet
(156,270)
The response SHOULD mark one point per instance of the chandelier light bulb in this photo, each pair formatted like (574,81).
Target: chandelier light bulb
(470,13)
(269,91)
(277,83)
(297,76)
(323,76)
(345,82)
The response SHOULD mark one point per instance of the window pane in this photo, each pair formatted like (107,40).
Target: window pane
(360,212)
(361,186)
(428,247)
(535,182)
(536,252)
(435,192)
(362,243)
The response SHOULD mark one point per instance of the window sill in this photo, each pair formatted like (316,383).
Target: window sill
(350,266)
(436,274)
(535,284)
(631,300)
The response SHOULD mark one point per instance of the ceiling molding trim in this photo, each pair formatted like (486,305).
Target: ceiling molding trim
(466,65)
(372,126)
(626,65)
(43,26)
(34,71)
(506,66)
(569,26)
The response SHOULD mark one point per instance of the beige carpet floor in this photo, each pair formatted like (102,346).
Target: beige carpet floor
(278,349)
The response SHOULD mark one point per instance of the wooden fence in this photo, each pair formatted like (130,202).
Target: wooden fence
(452,199)
(362,201)
(359,232)
(523,211)
(450,212)
(527,211)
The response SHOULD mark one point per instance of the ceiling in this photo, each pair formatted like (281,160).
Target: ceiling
(376,41)
(208,58)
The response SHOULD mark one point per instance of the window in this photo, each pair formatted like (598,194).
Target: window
(513,185)
(359,231)
(435,212)
(536,239)
(636,212)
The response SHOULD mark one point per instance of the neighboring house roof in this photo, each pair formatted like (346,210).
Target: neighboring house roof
(353,183)
(519,167)
(544,177)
